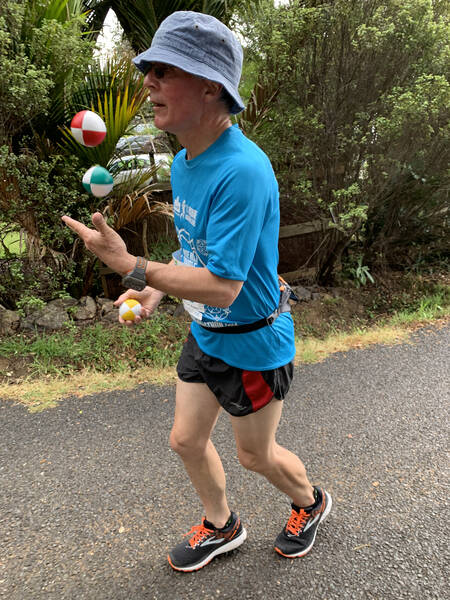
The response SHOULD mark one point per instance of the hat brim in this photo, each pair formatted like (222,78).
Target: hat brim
(142,61)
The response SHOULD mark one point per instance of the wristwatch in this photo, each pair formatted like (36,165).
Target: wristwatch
(135,279)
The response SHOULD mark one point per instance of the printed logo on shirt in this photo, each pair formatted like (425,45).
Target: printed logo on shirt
(194,251)
(199,312)
(184,211)
(190,257)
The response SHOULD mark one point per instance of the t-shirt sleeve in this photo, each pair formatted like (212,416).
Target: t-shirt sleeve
(236,219)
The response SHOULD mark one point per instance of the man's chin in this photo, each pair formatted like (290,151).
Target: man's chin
(159,123)
(163,126)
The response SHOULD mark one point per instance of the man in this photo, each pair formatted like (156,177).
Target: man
(239,352)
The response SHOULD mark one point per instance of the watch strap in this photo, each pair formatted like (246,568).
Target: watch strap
(135,279)
(139,267)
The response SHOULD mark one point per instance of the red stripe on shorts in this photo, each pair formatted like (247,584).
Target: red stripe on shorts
(256,389)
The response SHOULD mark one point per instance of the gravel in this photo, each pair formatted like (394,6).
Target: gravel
(92,497)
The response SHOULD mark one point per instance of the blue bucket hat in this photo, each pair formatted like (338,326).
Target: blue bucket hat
(201,45)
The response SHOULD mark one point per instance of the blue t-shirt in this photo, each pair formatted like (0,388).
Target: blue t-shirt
(226,212)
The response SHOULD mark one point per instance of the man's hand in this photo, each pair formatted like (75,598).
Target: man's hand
(104,242)
(149,299)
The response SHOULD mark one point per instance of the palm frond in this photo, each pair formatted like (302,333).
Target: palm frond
(260,102)
(134,207)
(116,94)
(56,10)
(141,19)
(96,11)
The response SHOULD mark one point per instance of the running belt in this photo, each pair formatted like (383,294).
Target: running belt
(286,294)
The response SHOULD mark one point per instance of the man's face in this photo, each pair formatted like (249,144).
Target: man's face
(177,98)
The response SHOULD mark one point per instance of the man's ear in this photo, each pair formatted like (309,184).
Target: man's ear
(213,90)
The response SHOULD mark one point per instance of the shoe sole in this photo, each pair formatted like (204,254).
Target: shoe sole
(325,514)
(232,544)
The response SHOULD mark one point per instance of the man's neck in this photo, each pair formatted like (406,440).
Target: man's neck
(204,136)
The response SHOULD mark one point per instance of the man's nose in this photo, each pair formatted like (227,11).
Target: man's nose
(150,80)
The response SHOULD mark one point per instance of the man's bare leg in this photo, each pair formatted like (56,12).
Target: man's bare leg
(258,451)
(196,414)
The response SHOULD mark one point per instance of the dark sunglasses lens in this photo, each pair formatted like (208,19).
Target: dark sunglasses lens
(159,71)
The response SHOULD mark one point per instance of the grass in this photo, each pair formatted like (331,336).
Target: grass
(45,392)
(391,330)
(311,350)
(156,342)
(77,362)
(428,308)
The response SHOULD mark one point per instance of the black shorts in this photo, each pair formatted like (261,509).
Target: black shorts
(238,391)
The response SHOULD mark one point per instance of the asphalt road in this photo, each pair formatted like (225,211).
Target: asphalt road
(92,498)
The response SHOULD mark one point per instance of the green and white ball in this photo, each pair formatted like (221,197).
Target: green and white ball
(98,181)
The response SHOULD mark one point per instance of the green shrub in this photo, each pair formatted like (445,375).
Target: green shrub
(359,94)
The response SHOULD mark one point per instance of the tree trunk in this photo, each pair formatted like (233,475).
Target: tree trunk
(330,255)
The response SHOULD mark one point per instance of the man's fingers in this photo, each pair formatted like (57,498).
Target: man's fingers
(125,296)
(76,226)
(99,223)
(97,220)
(121,298)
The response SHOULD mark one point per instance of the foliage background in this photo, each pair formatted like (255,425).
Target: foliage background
(361,103)
(350,100)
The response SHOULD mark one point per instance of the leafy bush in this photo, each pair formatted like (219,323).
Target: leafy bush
(34,65)
(41,166)
(36,193)
(360,99)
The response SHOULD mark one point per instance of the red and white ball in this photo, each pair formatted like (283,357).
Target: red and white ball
(88,128)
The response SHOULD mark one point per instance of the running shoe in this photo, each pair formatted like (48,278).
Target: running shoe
(205,544)
(298,537)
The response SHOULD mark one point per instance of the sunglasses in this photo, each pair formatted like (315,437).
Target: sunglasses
(159,70)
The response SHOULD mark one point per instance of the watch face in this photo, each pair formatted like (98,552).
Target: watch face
(134,283)
(136,278)
(139,285)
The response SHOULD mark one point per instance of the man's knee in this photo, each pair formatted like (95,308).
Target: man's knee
(254,461)
(186,445)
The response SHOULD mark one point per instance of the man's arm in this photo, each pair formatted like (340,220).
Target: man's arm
(191,283)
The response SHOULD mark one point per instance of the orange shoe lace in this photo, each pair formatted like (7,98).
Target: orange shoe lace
(297,521)
(198,532)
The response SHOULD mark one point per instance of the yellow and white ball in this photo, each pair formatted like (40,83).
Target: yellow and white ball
(130,309)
